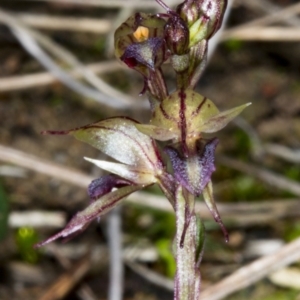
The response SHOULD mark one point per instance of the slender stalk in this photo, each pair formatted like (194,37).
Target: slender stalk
(157,85)
(187,278)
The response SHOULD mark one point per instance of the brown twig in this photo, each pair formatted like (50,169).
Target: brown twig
(253,272)
(63,285)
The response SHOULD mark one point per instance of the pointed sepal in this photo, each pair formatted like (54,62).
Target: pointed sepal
(130,173)
(220,120)
(186,114)
(210,202)
(96,209)
(120,139)
(157,133)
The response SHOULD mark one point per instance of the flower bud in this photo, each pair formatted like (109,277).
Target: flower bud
(177,35)
(204,17)
(139,42)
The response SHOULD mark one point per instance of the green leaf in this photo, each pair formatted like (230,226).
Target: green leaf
(164,248)
(26,237)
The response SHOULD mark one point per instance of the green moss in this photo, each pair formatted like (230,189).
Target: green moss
(292,173)
(233,45)
(292,231)
(164,249)
(26,238)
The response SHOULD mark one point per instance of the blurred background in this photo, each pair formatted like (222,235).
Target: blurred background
(57,71)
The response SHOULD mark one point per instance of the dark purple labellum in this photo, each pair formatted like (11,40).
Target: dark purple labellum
(143,53)
(194,174)
(103,185)
(179,166)
(206,160)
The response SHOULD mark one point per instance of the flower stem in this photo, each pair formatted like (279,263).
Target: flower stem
(156,85)
(187,278)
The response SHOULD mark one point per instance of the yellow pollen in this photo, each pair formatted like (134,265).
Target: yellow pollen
(141,34)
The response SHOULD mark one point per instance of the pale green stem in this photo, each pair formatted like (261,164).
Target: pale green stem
(187,280)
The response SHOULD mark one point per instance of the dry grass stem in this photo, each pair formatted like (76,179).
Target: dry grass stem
(271,178)
(151,276)
(253,272)
(269,7)
(276,16)
(37,218)
(98,26)
(41,79)
(66,282)
(242,214)
(283,152)
(30,39)
(267,34)
(83,291)
(114,3)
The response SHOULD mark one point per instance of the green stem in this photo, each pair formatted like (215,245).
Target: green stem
(187,280)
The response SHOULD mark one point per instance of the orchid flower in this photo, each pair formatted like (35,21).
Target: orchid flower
(140,166)
(181,119)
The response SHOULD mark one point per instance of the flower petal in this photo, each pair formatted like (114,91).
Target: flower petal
(120,139)
(133,174)
(210,202)
(184,109)
(157,133)
(103,185)
(97,208)
(220,120)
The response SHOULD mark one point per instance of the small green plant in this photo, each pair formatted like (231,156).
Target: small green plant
(179,119)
